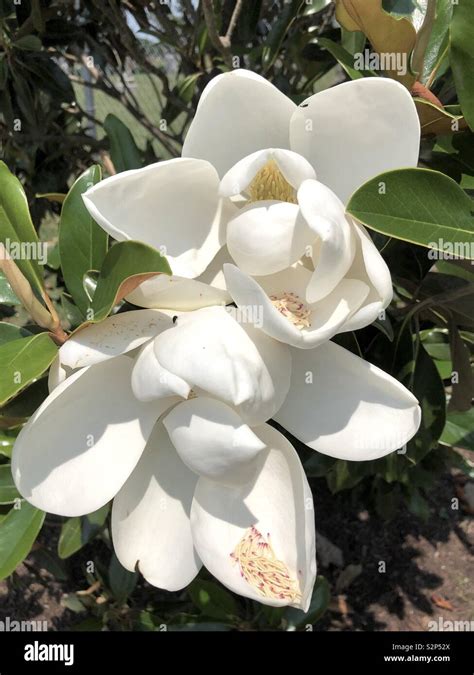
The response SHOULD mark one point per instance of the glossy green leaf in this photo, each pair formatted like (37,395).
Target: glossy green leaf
(16,225)
(459,430)
(121,581)
(82,243)
(24,404)
(22,361)
(439,37)
(417,205)
(462,56)
(124,152)
(30,43)
(79,531)
(344,58)
(9,332)
(213,600)
(8,491)
(297,619)
(18,532)
(428,387)
(126,266)
(7,296)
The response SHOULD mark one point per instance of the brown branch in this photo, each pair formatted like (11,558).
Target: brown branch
(217,41)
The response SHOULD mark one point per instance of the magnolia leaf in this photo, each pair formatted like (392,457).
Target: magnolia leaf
(297,619)
(9,332)
(386,34)
(344,58)
(417,205)
(16,226)
(82,243)
(463,385)
(79,531)
(125,267)
(8,492)
(124,152)
(18,532)
(462,56)
(57,197)
(7,296)
(213,600)
(22,361)
(437,121)
(459,430)
(21,289)
(438,40)
(121,581)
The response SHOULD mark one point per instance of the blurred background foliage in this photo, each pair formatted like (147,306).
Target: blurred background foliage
(116,84)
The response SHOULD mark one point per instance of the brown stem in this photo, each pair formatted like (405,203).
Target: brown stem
(219,44)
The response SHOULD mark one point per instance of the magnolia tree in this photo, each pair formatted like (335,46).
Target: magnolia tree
(285,283)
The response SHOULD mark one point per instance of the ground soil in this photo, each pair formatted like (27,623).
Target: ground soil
(428,568)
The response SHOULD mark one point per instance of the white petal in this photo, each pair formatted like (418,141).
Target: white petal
(210,351)
(343,406)
(172,292)
(212,440)
(173,206)
(327,317)
(325,215)
(150,517)
(294,167)
(239,112)
(356,130)
(117,334)
(150,380)
(369,267)
(267,236)
(279,505)
(57,373)
(82,443)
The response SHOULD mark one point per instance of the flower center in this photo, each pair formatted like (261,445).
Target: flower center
(261,568)
(293,309)
(270,184)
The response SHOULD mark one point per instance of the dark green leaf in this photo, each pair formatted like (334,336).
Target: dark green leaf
(297,619)
(16,225)
(77,532)
(18,532)
(462,56)
(82,243)
(124,152)
(417,205)
(459,430)
(212,599)
(8,491)
(121,581)
(22,361)
(126,265)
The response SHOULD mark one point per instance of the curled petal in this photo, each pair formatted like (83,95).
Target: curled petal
(212,440)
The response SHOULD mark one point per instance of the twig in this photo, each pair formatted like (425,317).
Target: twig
(214,36)
(233,22)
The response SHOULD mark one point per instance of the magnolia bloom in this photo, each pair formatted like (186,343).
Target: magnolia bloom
(167,416)
(261,189)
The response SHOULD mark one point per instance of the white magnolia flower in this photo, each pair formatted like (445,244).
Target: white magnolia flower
(167,416)
(269,179)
